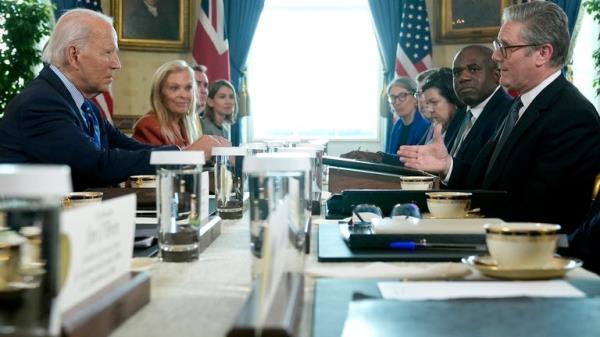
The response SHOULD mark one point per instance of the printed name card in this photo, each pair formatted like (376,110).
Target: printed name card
(96,247)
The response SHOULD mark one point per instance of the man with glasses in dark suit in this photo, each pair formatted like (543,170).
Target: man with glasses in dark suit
(546,152)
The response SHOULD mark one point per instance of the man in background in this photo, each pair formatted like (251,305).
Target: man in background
(202,84)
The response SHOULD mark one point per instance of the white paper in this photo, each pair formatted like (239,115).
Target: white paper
(98,247)
(476,289)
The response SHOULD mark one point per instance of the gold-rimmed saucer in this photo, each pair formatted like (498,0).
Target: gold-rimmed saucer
(487,266)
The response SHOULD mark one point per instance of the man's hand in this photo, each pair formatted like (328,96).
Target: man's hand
(432,157)
(206,143)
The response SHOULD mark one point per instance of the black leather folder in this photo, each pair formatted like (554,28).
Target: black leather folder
(335,306)
(490,202)
(333,248)
(373,167)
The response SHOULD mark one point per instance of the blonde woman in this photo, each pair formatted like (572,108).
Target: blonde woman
(173,118)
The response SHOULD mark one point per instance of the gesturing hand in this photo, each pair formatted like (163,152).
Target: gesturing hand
(432,157)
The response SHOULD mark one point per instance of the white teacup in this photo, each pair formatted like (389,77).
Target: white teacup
(142,181)
(417,183)
(448,204)
(522,245)
(77,199)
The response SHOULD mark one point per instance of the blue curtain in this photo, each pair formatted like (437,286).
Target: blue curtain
(387,17)
(64,5)
(571,7)
(241,20)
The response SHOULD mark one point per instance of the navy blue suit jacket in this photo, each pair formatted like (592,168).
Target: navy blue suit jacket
(485,127)
(548,163)
(43,125)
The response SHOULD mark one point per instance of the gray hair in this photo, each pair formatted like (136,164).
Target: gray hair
(70,30)
(403,82)
(543,22)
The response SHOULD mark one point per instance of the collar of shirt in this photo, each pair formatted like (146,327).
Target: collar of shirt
(529,96)
(478,109)
(75,93)
(152,9)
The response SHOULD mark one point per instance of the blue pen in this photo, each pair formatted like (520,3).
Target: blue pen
(412,245)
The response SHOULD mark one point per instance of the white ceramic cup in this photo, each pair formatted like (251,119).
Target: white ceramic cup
(448,204)
(522,245)
(77,199)
(416,183)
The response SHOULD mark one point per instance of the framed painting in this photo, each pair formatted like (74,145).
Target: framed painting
(465,21)
(158,25)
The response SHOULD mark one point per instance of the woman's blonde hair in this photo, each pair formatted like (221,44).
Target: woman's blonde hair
(165,117)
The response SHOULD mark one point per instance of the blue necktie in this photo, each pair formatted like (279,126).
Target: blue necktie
(509,124)
(93,128)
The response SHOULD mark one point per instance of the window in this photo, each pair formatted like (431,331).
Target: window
(314,71)
(583,63)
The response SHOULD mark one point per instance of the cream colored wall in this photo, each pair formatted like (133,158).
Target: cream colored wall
(131,87)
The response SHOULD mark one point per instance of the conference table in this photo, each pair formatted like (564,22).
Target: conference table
(203,298)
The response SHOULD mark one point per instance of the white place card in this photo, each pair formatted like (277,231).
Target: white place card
(96,247)
(476,289)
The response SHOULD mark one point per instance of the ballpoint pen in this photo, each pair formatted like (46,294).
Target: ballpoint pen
(414,245)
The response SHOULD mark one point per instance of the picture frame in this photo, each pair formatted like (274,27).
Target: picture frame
(463,21)
(161,28)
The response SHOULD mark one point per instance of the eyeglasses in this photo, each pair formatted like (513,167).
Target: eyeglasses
(401,97)
(504,48)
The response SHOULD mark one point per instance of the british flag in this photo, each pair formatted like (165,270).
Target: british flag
(211,47)
(413,53)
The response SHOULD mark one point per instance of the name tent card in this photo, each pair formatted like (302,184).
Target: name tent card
(96,247)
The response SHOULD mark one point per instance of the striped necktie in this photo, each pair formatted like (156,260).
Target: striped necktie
(509,124)
(93,128)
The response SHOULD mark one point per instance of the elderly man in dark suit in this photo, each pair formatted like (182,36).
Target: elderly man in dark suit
(53,121)
(545,155)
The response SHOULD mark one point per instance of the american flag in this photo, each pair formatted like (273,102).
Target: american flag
(104,101)
(413,53)
(211,47)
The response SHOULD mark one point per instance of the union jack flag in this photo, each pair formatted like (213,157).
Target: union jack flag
(211,47)
(413,53)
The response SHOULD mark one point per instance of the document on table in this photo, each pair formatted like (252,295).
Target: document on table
(476,289)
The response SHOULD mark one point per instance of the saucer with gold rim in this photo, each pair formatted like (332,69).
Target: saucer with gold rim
(487,266)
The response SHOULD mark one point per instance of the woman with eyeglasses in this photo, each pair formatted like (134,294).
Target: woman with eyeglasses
(443,105)
(409,126)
